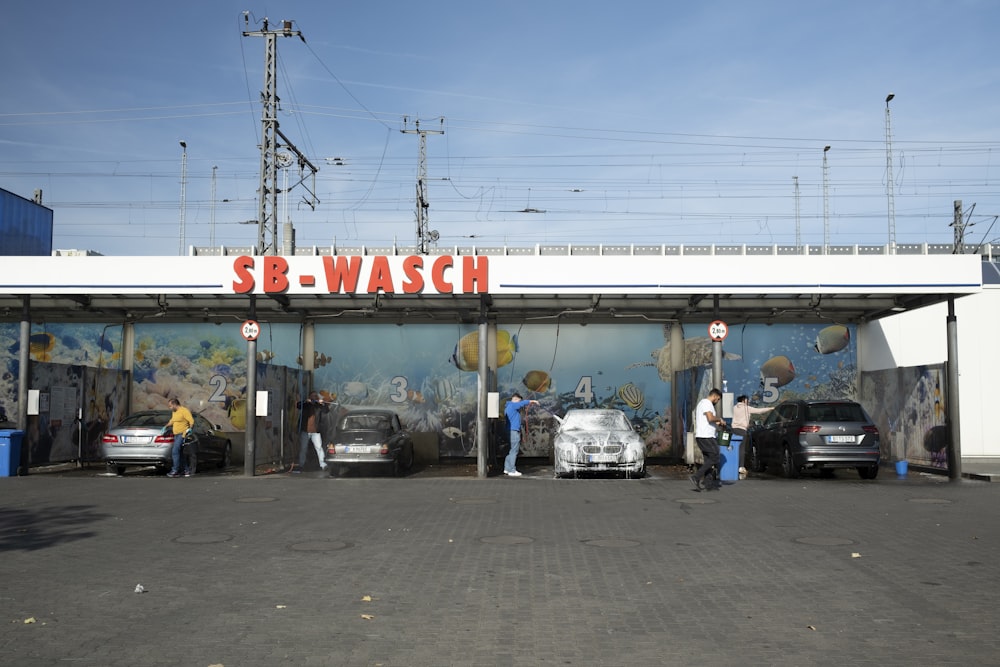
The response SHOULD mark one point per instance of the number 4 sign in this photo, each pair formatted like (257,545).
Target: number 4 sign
(718,330)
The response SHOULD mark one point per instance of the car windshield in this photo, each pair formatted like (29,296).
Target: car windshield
(365,422)
(146,419)
(596,421)
(835,412)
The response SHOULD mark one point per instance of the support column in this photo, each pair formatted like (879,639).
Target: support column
(954,422)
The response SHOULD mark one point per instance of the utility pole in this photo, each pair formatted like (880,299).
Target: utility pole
(798,216)
(959,225)
(211,227)
(424,236)
(267,218)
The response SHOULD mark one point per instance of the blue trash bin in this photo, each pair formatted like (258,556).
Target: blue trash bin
(10,452)
(730,455)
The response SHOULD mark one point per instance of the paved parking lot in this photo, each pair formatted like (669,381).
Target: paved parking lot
(447,569)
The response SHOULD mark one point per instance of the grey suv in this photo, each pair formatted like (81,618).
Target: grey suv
(817,435)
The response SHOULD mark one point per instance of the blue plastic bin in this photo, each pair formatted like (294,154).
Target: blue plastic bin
(730,455)
(10,452)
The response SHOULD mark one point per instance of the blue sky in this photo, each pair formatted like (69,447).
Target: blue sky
(628,122)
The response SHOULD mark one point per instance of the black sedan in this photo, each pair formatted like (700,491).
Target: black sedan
(370,437)
(139,440)
(816,435)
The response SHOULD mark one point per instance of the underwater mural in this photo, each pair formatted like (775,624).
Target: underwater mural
(428,372)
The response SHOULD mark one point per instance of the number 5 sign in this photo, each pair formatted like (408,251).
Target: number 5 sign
(718,331)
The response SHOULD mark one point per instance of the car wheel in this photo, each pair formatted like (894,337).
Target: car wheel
(868,472)
(756,463)
(788,467)
(227,455)
(406,454)
(118,470)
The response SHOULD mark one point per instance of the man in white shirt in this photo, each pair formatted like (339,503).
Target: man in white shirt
(705,434)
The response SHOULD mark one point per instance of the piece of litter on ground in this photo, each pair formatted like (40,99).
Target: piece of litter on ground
(29,620)
(855,555)
(366,598)
(367,617)
(280,606)
(139,588)
(811,627)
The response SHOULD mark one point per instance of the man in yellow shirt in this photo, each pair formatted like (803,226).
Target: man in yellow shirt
(180,421)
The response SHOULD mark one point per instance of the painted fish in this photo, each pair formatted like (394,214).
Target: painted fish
(238,413)
(355,390)
(466,354)
(452,432)
(780,368)
(264,356)
(832,339)
(697,352)
(631,395)
(539,381)
(441,389)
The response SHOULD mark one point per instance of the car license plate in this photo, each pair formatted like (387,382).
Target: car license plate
(601,458)
(841,438)
(136,439)
(358,449)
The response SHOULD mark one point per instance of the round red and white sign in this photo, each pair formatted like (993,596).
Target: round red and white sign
(250,330)
(718,331)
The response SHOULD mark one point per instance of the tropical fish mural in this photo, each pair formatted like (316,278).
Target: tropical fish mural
(632,396)
(539,381)
(697,352)
(39,346)
(440,389)
(466,354)
(781,368)
(832,339)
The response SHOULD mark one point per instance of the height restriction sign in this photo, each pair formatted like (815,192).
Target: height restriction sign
(718,331)
(250,330)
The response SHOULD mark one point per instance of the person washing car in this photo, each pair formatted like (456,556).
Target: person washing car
(513,414)
(313,410)
(181,420)
(741,426)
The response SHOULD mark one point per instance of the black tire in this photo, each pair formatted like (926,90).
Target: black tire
(826,473)
(227,456)
(868,472)
(788,467)
(756,462)
(118,470)
(406,456)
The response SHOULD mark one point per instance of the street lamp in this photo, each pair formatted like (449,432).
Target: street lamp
(888,176)
(826,203)
(184,162)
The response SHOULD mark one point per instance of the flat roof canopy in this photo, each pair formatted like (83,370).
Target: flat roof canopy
(610,283)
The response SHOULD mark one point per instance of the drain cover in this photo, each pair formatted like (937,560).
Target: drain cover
(506,539)
(205,538)
(320,545)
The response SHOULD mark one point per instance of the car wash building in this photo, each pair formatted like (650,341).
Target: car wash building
(444,337)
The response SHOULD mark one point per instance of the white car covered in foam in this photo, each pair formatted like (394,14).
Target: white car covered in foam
(598,440)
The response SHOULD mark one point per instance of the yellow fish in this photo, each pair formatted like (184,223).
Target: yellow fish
(539,381)
(466,354)
(832,339)
(632,396)
(780,368)
(238,413)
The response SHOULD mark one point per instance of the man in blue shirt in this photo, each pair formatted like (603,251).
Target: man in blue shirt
(513,413)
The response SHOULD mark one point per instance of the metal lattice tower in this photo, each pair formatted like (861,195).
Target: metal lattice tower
(424,236)
(888,176)
(267,219)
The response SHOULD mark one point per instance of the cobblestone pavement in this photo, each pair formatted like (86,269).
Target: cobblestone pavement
(451,570)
